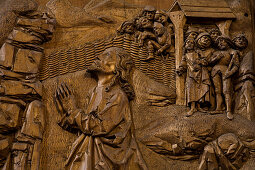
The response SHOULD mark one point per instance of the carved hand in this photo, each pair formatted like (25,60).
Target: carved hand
(66,99)
(160,51)
(180,71)
(140,42)
(227,74)
(216,57)
(203,62)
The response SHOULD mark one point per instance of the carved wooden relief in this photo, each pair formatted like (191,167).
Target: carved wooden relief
(113,84)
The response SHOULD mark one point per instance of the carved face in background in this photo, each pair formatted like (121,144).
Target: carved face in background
(160,17)
(204,41)
(222,43)
(149,12)
(240,42)
(159,29)
(190,44)
(105,63)
(192,35)
(215,34)
(144,22)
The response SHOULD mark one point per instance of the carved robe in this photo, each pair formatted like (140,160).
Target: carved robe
(198,79)
(106,141)
(214,158)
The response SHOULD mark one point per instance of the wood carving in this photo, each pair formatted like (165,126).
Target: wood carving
(107,140)
(112,84)
(22,111)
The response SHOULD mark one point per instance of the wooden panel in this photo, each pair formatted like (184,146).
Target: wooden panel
(210,15)
(204,3)
(206,9)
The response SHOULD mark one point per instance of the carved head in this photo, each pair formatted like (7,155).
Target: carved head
(228,143)
(240,42)
(127,27)
(191,33)
(204,40)
(144,23)
(223,42)
(189,44)
(115,61)
(214,33)
(161,16)
(159,29)
(149,12)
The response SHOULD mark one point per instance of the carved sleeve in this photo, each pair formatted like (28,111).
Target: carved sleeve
(183,62)
(115,113)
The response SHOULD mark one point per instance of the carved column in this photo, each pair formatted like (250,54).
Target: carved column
(178,18)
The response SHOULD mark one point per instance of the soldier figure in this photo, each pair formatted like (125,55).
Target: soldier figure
(226,64)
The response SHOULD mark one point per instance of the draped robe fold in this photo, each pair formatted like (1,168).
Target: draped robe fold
(107,140)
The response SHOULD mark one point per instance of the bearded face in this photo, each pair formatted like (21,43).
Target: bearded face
(190,44)
(149,14)
(159,29)
(161,18)
(223,44)
(204,41)
(105,63)
(240,43)
(145,23)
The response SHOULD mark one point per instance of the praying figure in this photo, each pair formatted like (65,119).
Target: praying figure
(107,138)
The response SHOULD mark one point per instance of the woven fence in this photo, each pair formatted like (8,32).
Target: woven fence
(72,60)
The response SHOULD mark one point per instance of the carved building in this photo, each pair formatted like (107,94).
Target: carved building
(133,84)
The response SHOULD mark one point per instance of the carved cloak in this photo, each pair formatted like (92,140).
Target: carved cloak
(107,140)
(197,80)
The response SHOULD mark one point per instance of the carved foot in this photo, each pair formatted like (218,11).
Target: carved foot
(191,112)
(217,112)
(230,115)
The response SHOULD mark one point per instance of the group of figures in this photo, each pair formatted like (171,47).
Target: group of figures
(211,61)
(152,29)
(105,127)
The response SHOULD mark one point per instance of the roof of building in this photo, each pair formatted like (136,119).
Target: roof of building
(203,8)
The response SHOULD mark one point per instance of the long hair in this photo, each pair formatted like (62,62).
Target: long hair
(122,72)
